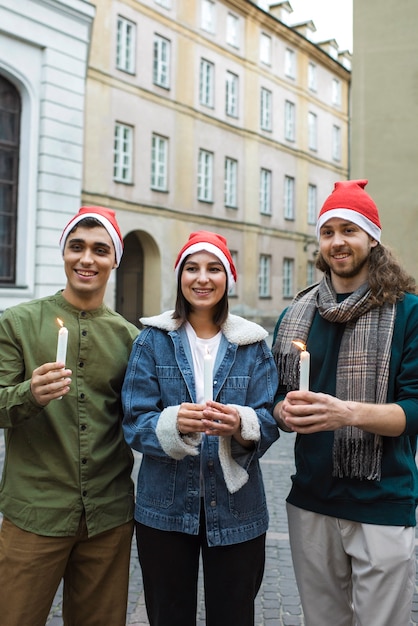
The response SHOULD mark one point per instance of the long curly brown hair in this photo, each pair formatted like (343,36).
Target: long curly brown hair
(388,280)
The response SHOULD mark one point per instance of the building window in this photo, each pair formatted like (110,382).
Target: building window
(230,183)
(122,153)
(290,63)
(265,191)
(264,276)
(207,71)
(232,291)
(288,273)
(231,94)
(10,110)
(161,68)
(159,163)
(208,16)
(336,92)
(312,204)
(336,143)
(289,121)
(232,30)
(125,45)
(312,131)
(205,176)
(310,273)
(266,98)
(265,49)
(312,78)
(289,198)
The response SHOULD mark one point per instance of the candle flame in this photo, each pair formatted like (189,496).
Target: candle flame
(300,345)
(60,322)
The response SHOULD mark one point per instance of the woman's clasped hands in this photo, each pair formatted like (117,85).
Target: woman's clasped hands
(211,418)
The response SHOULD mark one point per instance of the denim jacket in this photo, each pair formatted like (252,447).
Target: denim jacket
(176,471)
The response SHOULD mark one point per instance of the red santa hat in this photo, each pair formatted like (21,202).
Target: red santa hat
(106,217)
(210,242)
(350,202)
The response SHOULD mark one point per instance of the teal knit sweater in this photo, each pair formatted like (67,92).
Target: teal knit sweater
(393,499)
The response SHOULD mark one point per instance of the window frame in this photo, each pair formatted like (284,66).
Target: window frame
(312,131)
(231,183)
(290,63)
(125,45)
(312,209)
(336,143)
(231,94)
(288,278)
(206,83)
(289,189)
(289,120)
(161,65)
(205,176)
(266,109)
(264,276)
(125,156)
(265,192)
(159,162)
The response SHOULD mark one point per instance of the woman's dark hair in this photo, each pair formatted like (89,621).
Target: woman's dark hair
(388,281)
(182,308)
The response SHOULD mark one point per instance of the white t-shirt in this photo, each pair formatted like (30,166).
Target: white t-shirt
(199,347)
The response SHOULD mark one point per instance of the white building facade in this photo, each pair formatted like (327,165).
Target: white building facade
(44,47)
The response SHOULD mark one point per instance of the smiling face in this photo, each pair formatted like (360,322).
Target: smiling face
(203,281)
(89,257)
(345,247)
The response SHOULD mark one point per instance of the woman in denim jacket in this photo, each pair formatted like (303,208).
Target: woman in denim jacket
(200,487)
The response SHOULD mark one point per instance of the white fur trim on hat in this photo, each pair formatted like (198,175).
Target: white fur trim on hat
(105,223)
(208,247)
(351,216)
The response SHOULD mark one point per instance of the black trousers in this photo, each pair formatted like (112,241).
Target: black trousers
(170,567)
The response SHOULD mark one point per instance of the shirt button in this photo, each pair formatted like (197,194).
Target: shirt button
(83,427)
(82,396)
(213,503)
(84,493)
(81,364)
(84,461)
(84,333)
(210,463)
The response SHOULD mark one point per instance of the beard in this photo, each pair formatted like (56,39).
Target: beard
(349,272)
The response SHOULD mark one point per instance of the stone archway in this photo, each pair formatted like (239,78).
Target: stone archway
(130,280)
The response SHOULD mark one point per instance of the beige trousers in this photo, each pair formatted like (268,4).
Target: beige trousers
(352,574)
(95,572)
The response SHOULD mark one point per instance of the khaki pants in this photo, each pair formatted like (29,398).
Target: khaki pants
(352,574)
(95,573)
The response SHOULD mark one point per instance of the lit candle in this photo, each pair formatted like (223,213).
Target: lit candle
(62,342)
(207,377)
(304,366)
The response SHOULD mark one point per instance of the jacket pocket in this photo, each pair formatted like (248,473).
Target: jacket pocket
(156,482)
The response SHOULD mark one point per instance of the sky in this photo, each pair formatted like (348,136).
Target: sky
(333,19)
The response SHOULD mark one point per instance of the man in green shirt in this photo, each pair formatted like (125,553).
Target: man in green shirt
(66,492)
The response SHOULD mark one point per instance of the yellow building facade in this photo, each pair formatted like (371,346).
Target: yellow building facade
(213,115)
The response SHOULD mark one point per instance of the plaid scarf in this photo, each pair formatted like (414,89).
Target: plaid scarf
(362,367)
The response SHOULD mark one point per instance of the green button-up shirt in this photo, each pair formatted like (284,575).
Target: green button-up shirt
(71,454)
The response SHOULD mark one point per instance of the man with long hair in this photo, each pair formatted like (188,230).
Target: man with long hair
(351,508)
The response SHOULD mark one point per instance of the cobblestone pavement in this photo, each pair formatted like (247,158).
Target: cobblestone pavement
(278,601)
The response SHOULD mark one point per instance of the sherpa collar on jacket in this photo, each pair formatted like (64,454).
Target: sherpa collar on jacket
(236,329)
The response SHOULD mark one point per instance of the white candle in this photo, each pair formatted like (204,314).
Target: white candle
(304,366)
(207,377)
(62,343)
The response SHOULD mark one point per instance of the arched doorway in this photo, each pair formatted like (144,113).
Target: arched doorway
(130,280)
